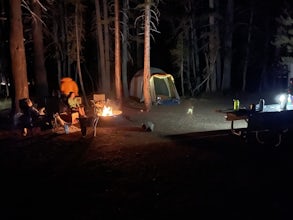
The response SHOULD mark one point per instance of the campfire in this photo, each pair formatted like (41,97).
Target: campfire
(107,111)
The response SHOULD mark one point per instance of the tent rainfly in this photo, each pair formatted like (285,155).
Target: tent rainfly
(162,86)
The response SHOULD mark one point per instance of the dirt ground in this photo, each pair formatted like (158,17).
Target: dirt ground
(188,167)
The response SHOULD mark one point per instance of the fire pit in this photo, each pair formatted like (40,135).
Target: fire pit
(107,111)
(102,111)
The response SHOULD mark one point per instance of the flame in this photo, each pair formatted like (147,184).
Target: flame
(107,111)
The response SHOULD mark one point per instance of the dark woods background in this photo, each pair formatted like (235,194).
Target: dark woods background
(205,45)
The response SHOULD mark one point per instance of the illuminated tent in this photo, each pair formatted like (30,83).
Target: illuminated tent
(162,86)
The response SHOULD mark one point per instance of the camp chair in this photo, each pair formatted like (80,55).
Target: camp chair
(75,112)
(60,106)
(98,102)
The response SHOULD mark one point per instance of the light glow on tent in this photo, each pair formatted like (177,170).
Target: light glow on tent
(161,85)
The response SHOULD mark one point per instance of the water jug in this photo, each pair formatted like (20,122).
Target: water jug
(66,128)
(261,105)
(236,104)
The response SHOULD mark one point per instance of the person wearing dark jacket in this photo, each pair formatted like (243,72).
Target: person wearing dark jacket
(32,117)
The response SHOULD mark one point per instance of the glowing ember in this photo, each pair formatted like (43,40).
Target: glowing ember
(107,111)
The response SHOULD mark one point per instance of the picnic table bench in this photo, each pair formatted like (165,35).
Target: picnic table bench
(270,122)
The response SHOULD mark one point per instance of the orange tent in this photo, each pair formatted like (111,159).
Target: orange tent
(68,85)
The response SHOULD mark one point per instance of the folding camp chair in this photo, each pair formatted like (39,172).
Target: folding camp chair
(98,103)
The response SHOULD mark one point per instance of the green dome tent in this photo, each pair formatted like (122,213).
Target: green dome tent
(162,86)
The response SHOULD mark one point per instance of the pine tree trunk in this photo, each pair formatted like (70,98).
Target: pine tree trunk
(62,41)
(264,81)
(118,84)
(188,69)
(58,51)
(17,54)
(195,57)
(107,82)
(139,51)
(228,36)
(247,51)
(218,64)
(101,47)
(78,27)
(208,72)
(124,49)
(146,68)
(67,64)
(181,73)
(39,61)
(290,74)
(212,48)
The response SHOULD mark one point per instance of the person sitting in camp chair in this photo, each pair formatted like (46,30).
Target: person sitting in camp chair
(32,117)
(74,105)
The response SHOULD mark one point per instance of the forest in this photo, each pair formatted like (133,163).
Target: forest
(207,45)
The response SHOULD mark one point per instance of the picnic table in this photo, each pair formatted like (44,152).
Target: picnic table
(272,121)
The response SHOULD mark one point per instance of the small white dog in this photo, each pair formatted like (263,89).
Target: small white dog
(190,111)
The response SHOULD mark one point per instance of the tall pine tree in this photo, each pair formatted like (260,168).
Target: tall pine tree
(284,39)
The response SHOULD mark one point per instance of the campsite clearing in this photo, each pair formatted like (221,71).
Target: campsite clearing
(176,171)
